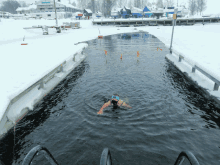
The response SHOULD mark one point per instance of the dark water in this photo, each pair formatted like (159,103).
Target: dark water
(168,115)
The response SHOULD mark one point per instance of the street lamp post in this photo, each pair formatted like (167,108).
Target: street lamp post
(174,21)
(55,12)
(57,27)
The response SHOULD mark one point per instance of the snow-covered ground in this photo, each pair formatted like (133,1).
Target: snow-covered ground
(23,65)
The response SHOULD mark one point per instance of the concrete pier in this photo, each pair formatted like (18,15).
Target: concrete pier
(156,22)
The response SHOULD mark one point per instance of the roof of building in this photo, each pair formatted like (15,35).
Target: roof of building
(146,9)
(88,10)
(68,5)
(98,13)
(27,8)
(117,9)
(136,10)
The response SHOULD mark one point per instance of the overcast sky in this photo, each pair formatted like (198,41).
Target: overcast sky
(212,5)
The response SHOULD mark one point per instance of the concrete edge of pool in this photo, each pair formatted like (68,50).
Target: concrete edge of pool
(28,99)
(197,78)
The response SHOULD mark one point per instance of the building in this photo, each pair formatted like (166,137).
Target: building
(45,9)
(136,12)
(87,12)
(116,13)
(27,10)
(147,12)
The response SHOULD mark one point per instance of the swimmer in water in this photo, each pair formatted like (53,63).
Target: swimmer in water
(116,102)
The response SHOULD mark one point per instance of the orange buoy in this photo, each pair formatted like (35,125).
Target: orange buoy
(121,57)
(138,54)
(161,49)
(105,52)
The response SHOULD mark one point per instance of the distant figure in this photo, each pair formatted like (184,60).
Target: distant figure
(115,102)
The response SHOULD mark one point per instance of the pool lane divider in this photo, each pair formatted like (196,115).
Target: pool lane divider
(24,102)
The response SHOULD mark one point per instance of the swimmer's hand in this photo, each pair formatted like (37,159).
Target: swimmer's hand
(100,112)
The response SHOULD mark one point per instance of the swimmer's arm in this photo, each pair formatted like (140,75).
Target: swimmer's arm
(104,106)
(126,105)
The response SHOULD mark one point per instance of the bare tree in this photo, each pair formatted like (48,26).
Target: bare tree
(137,3)
(192,7)
(74,3)
(149,4)
(93,5)
(130,4)
(144,3)
(82,3)
(98,5)
(159,4)
(169,3)
(10,6)
(201,5)
(107,6)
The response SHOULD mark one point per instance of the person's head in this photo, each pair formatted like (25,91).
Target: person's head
(114,100)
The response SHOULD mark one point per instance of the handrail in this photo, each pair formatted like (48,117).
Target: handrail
(106,157)
(1,163)
(194,67)
(186,154)
(34,151)
(39,82)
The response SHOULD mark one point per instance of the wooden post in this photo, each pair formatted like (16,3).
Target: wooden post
(216,86)
(41,85)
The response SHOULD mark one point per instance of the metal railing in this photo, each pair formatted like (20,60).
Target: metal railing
(40,83)
(34,151)
(106,158)
(186,155)
(195,67)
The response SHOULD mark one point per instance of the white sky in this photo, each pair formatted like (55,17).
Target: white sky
(212,5)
